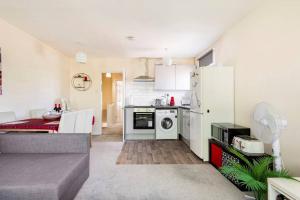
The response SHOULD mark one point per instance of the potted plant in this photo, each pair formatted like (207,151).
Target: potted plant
(253,175)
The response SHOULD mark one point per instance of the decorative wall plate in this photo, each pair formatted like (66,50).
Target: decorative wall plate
(81,82)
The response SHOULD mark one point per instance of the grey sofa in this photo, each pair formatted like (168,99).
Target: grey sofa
(43,166)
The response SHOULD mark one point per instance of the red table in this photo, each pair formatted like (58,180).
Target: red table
(31,125)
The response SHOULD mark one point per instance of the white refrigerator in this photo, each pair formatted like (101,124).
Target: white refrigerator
(212,100)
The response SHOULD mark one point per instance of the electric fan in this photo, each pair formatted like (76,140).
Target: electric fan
(267,125)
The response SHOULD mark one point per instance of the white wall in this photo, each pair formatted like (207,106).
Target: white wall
(264,48)
(34,74)
(133,67)
(144,93)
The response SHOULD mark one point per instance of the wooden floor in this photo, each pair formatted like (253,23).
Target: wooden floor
(157,152)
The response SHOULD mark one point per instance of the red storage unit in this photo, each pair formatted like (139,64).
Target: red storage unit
(216,155)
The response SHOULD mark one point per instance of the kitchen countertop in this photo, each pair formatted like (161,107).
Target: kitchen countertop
(159,107)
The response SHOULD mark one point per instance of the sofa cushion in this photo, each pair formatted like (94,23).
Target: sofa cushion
(40,176)
(44,143)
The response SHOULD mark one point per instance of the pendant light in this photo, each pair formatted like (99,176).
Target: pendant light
(81,57)
(167,60)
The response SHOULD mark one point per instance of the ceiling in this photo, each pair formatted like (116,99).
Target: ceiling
(101,27)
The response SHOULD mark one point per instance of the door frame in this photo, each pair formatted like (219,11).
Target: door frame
(123,71)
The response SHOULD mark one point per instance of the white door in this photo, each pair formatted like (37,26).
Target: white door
(217,100)
(217,93)
(195,133)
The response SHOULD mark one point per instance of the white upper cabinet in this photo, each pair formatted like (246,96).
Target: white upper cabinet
(175,77)
(165,77)
(183,77)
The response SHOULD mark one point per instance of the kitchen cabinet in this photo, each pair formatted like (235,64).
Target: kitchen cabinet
(136,134)
(165,77)
(180,120)
(175,77)
(185,133)
(182,77)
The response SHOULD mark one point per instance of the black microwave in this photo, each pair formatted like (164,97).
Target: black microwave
(224,132)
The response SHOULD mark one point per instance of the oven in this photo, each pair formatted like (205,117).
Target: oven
(144,118)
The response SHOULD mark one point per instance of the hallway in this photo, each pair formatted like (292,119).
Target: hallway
(111,134)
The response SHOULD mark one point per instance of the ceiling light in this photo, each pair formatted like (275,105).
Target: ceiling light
(108,75)
(81,57)
(167,61)
(130,38)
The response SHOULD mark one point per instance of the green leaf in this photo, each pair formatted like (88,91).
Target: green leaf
(240,167)
(253,175)
(230,171)
(242,174)
(251,183)
(241,157)
(279,174)
(260,167)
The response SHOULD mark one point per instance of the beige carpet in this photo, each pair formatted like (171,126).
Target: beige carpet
(109,181)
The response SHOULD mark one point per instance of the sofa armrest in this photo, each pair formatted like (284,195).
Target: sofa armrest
(44,143)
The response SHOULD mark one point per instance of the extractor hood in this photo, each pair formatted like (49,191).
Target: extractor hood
(145,77)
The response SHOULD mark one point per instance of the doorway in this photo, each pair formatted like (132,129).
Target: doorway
(112,103)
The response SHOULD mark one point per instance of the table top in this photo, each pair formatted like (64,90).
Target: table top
(31,124)
(287,186)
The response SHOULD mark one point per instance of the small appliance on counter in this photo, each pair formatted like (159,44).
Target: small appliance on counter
(157,102)
(163,101)
(172,101)
(185,102)
(225,132)
(248,145)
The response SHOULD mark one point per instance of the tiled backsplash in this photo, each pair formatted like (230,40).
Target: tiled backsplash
(143,93)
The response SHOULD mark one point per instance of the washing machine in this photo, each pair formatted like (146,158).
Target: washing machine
(166,124)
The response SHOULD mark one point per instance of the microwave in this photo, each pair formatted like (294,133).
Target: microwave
(225,132)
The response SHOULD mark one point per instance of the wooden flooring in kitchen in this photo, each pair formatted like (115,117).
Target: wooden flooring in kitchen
(157,152)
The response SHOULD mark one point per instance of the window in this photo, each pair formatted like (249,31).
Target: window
(207,59)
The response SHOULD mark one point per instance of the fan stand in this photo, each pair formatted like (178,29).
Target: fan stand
(277,155)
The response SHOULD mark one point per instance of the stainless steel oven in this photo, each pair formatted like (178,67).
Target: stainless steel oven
(144,118)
